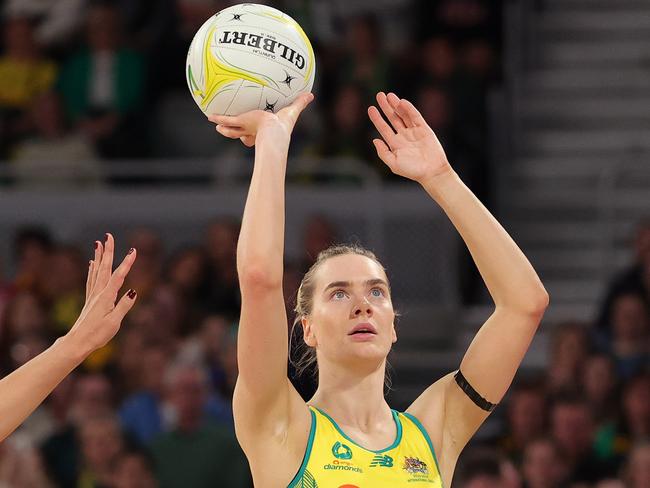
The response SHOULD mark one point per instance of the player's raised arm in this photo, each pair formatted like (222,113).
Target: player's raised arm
(411,149)
(24,389)
(263,392)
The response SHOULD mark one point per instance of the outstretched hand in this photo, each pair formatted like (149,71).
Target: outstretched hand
(249,125)
(408,145)
(101,317)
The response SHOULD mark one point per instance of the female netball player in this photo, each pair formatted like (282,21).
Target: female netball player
(24,389)
(347,436)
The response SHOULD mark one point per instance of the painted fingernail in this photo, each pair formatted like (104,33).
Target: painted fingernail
(96,244)
(131,293)
(130,251)
(105,237)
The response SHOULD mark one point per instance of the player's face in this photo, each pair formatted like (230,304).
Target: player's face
(352,315)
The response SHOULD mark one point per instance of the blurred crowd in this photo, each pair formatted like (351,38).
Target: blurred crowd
(585,420)
(153,407)
(84,82)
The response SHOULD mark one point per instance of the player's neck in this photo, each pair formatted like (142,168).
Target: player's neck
(351,397)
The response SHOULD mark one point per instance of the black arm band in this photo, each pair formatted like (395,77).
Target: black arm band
(472,393)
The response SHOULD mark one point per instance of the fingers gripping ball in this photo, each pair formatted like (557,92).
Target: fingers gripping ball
(249,57)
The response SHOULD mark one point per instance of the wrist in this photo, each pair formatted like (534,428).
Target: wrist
(438,179)
(73,348)
(273,140)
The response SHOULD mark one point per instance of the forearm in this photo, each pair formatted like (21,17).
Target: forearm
(24,389)
(508,275)
(261,241)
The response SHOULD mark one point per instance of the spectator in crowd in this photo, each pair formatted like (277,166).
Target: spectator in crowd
(569,348)
(127,360)
(346,130)
(151,27)
(103,86)
(51,154)
(101,443)
(172,312)
(141,413)
(187,274)
(24,74)
(478,59)
(637,472)
(25,324)
(133,469)
(630,333)
(26,315)
(483,468)
(600,387)
(572,428)
(220,244)
(32,247)
(152,327)
(208,347)
(525,418)
(634,278)
(58,22)
(21,467)
(439,61)
(92,399)
(366,62)
(196,452)
(64,286)
(543,465)
(636,407)
(616,440)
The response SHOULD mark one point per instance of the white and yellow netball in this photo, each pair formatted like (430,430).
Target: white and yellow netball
(249,57)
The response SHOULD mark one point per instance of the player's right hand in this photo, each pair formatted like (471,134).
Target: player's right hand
(250,125)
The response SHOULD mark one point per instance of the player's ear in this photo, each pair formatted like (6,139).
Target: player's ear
(307,332)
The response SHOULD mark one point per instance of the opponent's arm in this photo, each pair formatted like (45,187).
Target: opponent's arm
(263,392)
(412,150)
(24,389)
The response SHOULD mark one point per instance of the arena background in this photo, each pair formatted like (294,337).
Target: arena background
(543,108)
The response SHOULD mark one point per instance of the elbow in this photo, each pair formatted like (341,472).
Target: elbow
(540,302)
(533,303)
(537,302)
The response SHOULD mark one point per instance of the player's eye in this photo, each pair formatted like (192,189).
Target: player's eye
(338,294)
(377,292)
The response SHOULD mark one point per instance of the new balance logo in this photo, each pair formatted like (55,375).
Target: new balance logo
(382,461)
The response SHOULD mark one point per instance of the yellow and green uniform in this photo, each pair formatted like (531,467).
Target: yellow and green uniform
(333,460)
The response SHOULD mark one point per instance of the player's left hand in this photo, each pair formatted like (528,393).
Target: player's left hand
(101,317)
(409,147)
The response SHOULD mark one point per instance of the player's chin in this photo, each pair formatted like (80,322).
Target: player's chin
(369,349)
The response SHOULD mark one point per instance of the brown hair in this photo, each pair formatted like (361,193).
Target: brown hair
(305,355)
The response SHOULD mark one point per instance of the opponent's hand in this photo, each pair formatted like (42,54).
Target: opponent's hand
(101,317)
(409,146)
(249,125)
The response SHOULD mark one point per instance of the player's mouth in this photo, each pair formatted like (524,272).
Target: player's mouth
(363,330)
